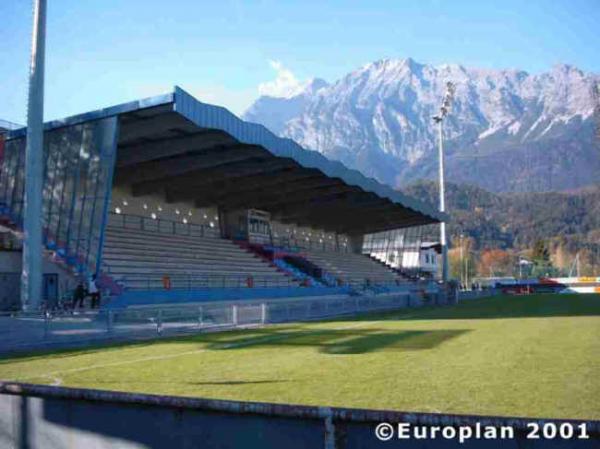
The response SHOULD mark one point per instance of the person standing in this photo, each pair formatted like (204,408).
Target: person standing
(78,296)
(94,292)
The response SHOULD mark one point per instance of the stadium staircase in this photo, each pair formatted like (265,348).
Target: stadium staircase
(385,264)
(334,268)
(262,252)
(352,268)
(305,278)
(288,262)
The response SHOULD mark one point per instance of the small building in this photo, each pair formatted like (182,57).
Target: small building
(413,257)
(422,261)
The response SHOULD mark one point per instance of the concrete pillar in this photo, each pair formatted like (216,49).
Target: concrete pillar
(31,277)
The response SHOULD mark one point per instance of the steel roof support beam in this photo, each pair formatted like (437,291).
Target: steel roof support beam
(383,222)
(338,217)
(359,202)
(235,186)
(301,191)
(173,167)
(148,151)
(389,226)
(205,177)
(132,130)
(302,197)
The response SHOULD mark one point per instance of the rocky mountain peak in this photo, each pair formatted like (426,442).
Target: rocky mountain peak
(508,131)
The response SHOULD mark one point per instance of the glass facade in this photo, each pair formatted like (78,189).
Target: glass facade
(78,168)
(302,237)
(399,248)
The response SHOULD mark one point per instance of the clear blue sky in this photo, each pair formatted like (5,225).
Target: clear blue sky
(103,52)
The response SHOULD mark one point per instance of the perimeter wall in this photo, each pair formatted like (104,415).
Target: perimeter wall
(54,417)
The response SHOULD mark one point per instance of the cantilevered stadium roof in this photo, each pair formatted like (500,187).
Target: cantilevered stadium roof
(186,150)
(8,126)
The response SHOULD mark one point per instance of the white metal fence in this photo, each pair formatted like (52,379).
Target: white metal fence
(31,331)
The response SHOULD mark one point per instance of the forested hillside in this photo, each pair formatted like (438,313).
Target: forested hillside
(566,222)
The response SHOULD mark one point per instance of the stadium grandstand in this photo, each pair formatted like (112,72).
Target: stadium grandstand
(168,195)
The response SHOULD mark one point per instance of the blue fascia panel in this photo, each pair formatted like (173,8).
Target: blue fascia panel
(6,126)
(99,114)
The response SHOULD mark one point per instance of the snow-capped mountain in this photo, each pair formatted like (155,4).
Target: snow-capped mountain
(276,112)
(508,130)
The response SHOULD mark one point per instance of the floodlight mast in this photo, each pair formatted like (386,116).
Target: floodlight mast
(596,95)
(31,276)
(439,120)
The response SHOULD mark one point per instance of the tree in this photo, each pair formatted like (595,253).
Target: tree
(587,262)
(462,259)
(540,252)
(562,258)
(541,259)
(455,263)
(495,262)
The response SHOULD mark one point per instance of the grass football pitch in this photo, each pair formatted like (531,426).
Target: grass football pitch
(533,356)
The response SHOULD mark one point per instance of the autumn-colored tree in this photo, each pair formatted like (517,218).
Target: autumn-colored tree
(495,262)
(454,262)
(587,263)
(562,259)
(462,259)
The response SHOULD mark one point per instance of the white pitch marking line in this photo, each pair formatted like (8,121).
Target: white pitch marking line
(181,354)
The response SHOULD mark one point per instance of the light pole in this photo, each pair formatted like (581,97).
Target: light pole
(31,276)
(467,269)
(596,95)
(439,119)
(462,277)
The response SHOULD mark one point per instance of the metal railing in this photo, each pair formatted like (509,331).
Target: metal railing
(298,244)
(161,225)
(194,281)
(35,330)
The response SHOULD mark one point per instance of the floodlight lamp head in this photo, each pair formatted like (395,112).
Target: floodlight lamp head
(448,97)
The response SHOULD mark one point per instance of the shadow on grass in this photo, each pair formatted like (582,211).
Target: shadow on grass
(532,306)
(328,341)
(92,348)
(231,383)
(338,341)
